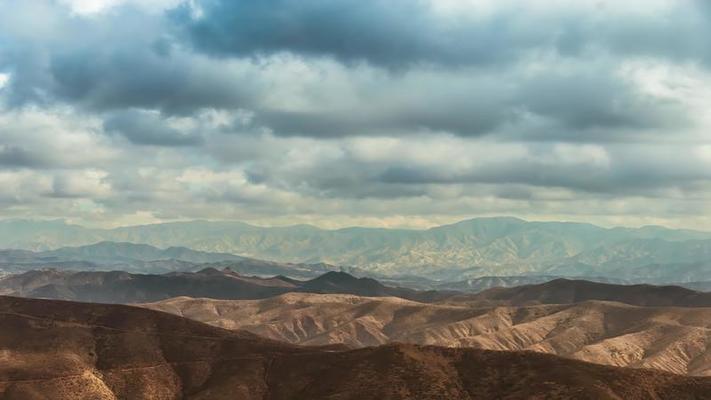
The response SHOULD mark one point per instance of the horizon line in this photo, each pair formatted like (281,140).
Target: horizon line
(67,222)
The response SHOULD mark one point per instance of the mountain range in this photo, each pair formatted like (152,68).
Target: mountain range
(125,287)
(124,256)
(64,350)
(141,258)
(480,247)
(112,256)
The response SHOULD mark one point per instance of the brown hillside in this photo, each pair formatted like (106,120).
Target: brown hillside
(61,350)
(666,338)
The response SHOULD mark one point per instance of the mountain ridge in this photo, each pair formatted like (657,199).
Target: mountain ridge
(568,291)
(143,258)
(125,287)
(467,249)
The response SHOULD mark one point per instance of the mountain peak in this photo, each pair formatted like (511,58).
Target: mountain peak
(337,276)
(212,271)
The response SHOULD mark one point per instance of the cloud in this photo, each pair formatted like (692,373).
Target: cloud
(345,112)
(52,138)
(146,128)
(385,32)
(586,98)
(89,7)
(405,33)
(565,100)
(80,184)
(122,59)
(18,157)
(235,56)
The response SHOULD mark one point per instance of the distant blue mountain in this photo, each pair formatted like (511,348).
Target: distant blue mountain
(473,248)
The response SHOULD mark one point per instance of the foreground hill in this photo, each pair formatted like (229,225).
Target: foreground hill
(473,248)
(64,350)
(124,287)
(565,291)
(666,338)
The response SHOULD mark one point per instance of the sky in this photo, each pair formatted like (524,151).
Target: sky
(392,113)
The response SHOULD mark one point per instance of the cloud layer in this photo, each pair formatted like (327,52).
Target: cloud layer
(393,113)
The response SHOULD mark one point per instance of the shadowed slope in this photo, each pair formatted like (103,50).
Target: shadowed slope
(124,287)
(64,350)
(565,291)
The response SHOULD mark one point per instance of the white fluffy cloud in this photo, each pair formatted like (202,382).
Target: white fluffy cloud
(90,7)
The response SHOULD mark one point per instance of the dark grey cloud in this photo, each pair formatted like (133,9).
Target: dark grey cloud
(470,117)
(630,172)
(401,33)
(394,33)
(172,84)
(677,34)
(129,60)
(122,59)
(18,157)
(145,128)
(585,103)
(582,101)
(593,104)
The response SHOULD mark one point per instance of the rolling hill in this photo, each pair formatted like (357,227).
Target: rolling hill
(63,350)
(673,339)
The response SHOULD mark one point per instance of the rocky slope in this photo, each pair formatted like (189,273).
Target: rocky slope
(666,338)
(63,350)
